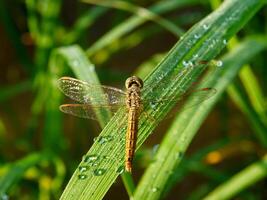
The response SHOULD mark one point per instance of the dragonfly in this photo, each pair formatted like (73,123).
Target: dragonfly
(92,97)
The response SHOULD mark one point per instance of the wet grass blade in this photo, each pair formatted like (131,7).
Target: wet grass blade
(102,164)
(73,57)
(185,126)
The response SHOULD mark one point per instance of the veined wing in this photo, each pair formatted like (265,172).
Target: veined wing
(195,94)
(87,111)
(87,93)
(185,101)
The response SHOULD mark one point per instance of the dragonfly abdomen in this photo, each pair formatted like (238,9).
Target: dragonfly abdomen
(133,103)
(131,138)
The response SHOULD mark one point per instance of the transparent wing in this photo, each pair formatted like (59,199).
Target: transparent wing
(164,79)
(86,111)
(86,93)
(185,101)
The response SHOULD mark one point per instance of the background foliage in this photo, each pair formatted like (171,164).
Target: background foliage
(48,155)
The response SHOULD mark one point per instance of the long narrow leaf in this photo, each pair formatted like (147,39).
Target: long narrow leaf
(245,178)
(15,171)
(187,123)
(135,21)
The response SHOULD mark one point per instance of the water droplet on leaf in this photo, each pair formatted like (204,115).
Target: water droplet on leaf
(120,169)
(155,189)
(75,62)
(219,63)
(103,139)
(196,36)
(83,168)
(179,154)
(99,172)
(152,105)
(195,56)
(91,159)
(187,64)
(155,149)
(205,26)
(82,176)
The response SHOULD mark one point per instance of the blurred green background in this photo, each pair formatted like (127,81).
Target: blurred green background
(41,147)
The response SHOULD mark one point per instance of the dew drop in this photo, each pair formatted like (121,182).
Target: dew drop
(205,26)
(90,158)
(99,172)
(82,176)
(219,63)
(103,139)
(75,62)
(83,168)
(152,105)
(179,154)
(196,36)
(120,169)
(155,149)
(187,64)
(155,189)
(195,56)
(189,43)
(106,157)
(91,68)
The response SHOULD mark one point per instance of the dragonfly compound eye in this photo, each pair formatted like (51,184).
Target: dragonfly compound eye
(133,80)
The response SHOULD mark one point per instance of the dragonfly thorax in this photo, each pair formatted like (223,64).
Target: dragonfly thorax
(133,80)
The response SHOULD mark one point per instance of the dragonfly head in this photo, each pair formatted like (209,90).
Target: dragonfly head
(133,80)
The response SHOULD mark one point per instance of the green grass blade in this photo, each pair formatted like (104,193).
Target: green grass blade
(139,36)
(256,116)
(80,26)
(141,12)
(32,18)
(14,172)
(74,58)
(48,12)
(240,181)
(186,125)
(254,92)
(62,58)
(190,164)
(205,40)
(240,100)
(135,21)
(252,87)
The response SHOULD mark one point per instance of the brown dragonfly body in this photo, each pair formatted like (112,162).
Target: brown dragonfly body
(133,103)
